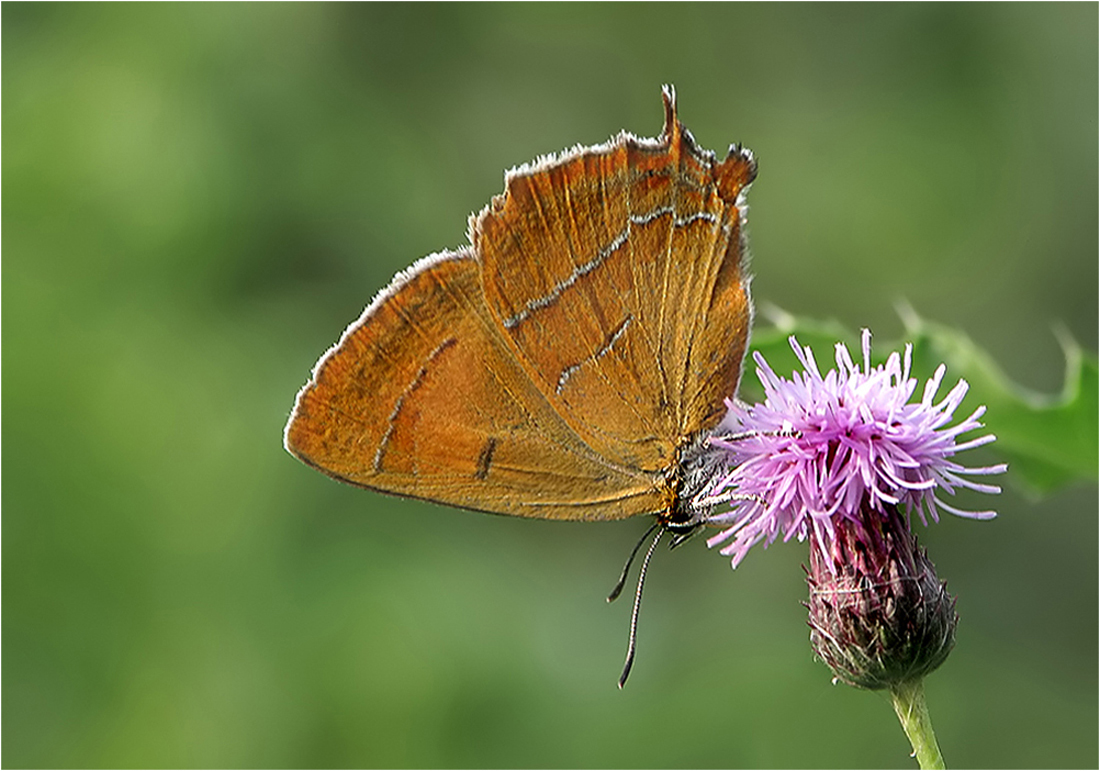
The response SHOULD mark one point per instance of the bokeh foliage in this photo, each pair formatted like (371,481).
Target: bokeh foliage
(198,198)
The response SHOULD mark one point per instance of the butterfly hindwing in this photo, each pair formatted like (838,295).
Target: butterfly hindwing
(616,275)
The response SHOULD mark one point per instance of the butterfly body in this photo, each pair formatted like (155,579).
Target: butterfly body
(570,362)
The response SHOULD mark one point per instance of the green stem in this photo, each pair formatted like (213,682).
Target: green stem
(912,711)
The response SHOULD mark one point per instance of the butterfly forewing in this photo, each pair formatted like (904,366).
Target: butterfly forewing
(422,398)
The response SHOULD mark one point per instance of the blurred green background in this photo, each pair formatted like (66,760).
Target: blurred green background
(197,199)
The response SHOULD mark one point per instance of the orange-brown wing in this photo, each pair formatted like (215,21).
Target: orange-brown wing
(616,275)
(722,312)
(421,397)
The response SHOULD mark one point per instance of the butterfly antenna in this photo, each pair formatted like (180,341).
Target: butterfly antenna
(637,605)
(626,568)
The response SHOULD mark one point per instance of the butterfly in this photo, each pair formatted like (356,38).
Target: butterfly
(571,362)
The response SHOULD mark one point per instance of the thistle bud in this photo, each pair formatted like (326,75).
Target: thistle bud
(878,614)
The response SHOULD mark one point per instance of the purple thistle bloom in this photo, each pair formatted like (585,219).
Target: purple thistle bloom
(822,451)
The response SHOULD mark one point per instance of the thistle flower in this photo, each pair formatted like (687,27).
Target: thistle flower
(821,451)
(845,459)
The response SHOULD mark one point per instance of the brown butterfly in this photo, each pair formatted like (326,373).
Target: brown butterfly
(568,364)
